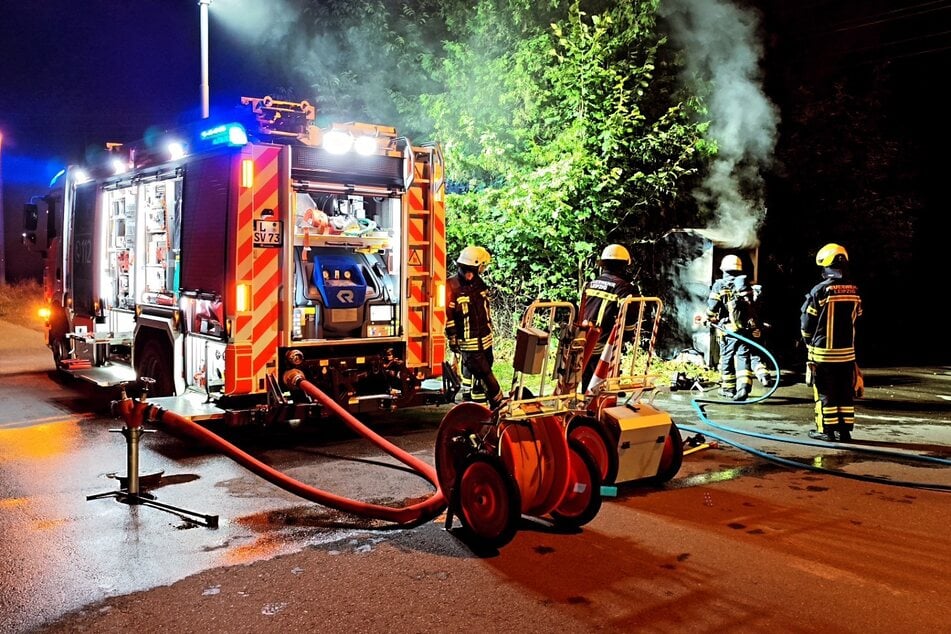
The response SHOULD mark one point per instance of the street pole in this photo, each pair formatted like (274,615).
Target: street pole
(203,8)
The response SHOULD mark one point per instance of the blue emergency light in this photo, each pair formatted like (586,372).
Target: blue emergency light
(229,133)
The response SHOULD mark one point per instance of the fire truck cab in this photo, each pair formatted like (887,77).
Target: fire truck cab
(213,262)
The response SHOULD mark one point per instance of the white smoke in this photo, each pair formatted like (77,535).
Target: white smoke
(256,23)
(723,57)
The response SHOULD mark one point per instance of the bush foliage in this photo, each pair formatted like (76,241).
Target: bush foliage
(563,124)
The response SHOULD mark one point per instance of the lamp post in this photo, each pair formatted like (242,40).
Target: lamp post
(203,8)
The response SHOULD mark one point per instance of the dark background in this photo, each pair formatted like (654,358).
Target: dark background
(861,157)
(862,160)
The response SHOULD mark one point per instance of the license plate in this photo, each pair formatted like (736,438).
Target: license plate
(268,233)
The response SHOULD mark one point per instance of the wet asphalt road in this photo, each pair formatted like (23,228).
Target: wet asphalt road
(733,543)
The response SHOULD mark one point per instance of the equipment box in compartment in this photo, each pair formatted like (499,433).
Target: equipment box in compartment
(643,431)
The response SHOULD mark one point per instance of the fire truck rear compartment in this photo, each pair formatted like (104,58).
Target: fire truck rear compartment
(342,294)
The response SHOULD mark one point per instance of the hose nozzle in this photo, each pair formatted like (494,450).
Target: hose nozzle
(292,378)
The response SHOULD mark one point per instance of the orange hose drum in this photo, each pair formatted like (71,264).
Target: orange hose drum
(536,454)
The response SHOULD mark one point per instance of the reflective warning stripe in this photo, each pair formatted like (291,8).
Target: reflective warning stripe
(416,270)
(603,369)
(255,332)
(414,345)
(238,368)
(437,328)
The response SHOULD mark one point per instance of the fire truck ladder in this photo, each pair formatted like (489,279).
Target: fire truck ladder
(426,260)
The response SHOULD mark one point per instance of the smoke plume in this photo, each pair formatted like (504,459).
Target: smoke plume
(723,57)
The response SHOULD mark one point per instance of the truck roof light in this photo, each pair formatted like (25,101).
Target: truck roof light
(338,142)
(176,150)
(119,166)
(365,145)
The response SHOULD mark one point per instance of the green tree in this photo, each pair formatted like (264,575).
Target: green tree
(563,141)
(563,123)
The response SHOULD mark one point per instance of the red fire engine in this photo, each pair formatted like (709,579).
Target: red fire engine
(214,262)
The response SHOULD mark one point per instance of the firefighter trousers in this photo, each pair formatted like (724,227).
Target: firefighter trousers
(834,393)
(735,373)
(478,380)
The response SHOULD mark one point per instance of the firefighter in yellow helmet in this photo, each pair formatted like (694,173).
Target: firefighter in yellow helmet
(828,318)
(600,301)
(727,295)
(469,326)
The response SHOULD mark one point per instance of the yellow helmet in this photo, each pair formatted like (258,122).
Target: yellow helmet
(731,263)
(474,256)
(616,252)
(828,254)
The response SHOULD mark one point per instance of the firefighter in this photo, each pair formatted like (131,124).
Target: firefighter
(827,320)
(600,301)
(724,310)
(469,327)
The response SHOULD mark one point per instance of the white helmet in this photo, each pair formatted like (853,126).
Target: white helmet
(616,252)
(474,256)
(731,263)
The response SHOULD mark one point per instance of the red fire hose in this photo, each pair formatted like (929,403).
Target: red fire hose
(412,514)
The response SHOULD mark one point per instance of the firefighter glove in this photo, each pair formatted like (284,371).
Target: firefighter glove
(454,345)
(810,373)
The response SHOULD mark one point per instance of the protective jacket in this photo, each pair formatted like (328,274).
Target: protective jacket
(469,320)
(601,301)
(726,305)
(828,318)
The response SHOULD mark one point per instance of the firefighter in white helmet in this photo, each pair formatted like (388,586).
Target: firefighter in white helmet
(724,311)
(469,326)
(600,301)
(827,319)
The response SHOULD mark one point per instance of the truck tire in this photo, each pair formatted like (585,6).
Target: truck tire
(154,361)
(58,343)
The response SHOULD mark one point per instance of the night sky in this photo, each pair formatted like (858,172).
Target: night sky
(79,73)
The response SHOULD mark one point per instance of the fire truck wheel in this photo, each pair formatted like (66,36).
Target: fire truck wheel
(597,442)
(672,457)
(60,347)
(583,499)
(486,500)
(59,344)
(153,361)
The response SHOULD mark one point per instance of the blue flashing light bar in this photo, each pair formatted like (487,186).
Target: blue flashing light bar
(230,133)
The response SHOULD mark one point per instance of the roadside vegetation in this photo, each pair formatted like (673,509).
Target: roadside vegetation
(565,123)
(20,304)
(565,126)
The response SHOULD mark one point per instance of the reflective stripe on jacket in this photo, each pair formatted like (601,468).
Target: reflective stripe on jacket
(468,316)
(828,319)
(600,304)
